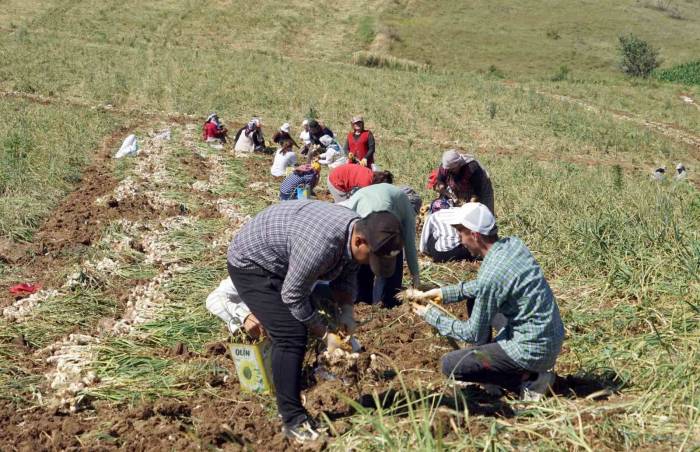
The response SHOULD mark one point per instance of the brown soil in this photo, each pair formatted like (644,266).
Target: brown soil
(78,221)
(236,420)
(407,353)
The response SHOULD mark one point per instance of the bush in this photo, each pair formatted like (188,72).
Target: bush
(366,30)
(687,73)
(494,72)
(638,57)
(377,60)
(562,75)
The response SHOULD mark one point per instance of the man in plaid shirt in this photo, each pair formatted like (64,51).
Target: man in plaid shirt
(509,282)
(274,262)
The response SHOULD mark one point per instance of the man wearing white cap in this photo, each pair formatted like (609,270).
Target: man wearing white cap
(509,282)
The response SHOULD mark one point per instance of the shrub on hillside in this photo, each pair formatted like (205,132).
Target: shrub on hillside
(638,57)
(562,75)
(495,72)
(373,59)
(687,73)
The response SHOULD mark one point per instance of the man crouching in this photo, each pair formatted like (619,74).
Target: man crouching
(509,282)
(274,261)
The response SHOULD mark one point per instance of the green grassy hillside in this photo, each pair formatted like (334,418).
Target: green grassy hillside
(534,38)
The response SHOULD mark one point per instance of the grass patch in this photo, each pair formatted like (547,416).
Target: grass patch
(42,152)
(686,73)
(376,60)
(366,29)
(64,314)
(130,371)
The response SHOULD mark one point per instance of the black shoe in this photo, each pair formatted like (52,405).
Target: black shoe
(304,432)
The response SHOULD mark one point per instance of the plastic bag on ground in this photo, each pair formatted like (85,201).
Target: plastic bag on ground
(130,146)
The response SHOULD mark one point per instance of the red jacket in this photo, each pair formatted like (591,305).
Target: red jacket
(210,131)
(346,177)
(362,146)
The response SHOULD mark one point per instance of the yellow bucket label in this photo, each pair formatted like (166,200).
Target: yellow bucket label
(254,366)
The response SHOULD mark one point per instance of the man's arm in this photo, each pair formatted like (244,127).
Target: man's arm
(474,330)
(409,235)
(345,285)
(425,234)
(307,261)
(483,188)
(370,146)
(297,285)
(460,291)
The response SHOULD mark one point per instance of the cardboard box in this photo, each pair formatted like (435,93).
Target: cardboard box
(254,366)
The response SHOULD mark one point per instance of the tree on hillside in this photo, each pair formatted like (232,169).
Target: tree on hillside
(638,57)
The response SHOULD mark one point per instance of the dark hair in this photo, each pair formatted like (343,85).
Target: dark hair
(382,177)
(492,237)
(361,228)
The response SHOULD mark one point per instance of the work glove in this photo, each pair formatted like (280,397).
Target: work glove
(433,295)
(334,342)
(363,162)
(419,309)
(415,281)
(346,319)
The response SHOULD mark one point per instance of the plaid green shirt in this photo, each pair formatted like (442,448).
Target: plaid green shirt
(510,281)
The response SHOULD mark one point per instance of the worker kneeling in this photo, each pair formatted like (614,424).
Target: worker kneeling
(274,262)
(510,282)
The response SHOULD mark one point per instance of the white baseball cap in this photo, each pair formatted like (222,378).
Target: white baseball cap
(285,127)
(473,216)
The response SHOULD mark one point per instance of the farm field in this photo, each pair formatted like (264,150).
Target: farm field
(118,350)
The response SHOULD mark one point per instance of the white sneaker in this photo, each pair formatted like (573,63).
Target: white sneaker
(304,432)
(534,390)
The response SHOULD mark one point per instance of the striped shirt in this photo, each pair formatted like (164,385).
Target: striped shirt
(510,282)
(294,180)
(301,241)
(446,237)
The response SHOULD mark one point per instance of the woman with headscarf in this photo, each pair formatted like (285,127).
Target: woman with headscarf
(213,129)
(463,179)
(250,138)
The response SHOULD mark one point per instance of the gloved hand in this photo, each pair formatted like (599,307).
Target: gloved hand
(419,309)
(433,295)
(334,342)
(363,162)
(415,281)
(346,319)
